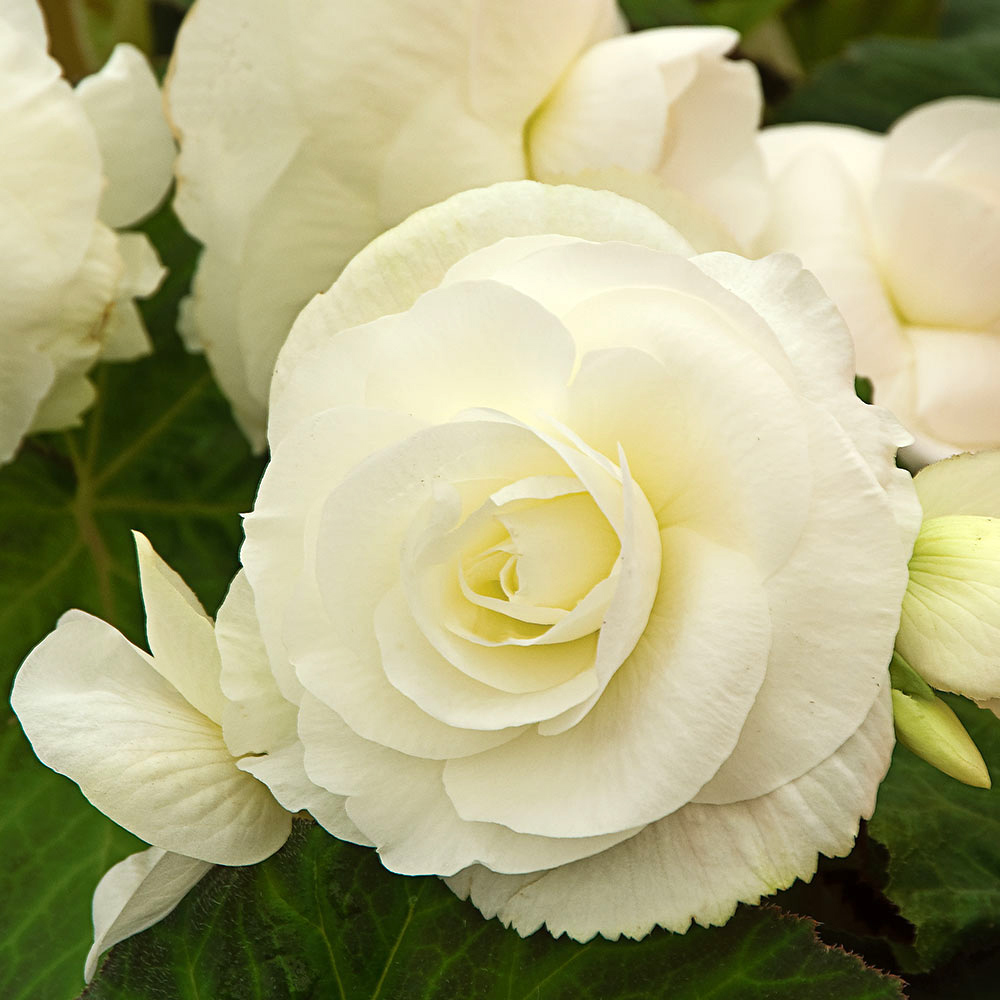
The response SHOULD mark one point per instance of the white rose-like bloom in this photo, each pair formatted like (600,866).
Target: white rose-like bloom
(306,129)
(580,563)
(75,163)
(903,231)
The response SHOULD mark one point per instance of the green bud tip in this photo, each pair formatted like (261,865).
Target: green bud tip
(929,728)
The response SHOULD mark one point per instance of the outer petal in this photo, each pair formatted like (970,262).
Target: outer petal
(917,141)
(822,682)
(939,252)
(125,332)
(137,893)
(95,710)
(401,804)
(955,374)
(963,484)
(398,267)
(181,636)
(25,377)
(698,863)
(122,101)
(26,17)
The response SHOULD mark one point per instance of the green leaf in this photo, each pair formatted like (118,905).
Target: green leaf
(944,846)
(877,80)
(743,15)
(821,28)
(55,849)
(967,17)
(158,452)
(324,919)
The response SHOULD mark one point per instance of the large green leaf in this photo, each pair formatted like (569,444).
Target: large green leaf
(878,79)
(944,847)
(158,452)
(324,919)
(55,848)
(821,28)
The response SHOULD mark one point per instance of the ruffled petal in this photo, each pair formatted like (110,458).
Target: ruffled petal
(699,863)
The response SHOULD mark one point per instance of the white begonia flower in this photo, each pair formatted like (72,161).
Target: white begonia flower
(142,734)
(949,632)
(579,563)
(903,231)
(75,163)
(306,129)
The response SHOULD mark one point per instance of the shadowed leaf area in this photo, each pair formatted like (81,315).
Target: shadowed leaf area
(160,453)
(324,919)
(944,848)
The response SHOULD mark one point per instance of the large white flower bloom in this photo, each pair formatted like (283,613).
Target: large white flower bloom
(904,233)
(578,564)
(74,164)
(307,129)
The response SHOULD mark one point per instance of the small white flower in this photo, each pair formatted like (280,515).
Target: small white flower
(307,129)
(75,164)
(142,733)
(578,564)
(904,233)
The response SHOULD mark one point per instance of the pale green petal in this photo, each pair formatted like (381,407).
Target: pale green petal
(950,627)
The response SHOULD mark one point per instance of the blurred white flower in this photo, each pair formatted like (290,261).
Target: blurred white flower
(904,233)
(75,163)
(578,565)
(307,129)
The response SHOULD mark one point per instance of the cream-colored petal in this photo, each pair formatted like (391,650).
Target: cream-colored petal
(279,553)
(137,893)
(283,771)
(399,802)
(95,710)
(125,336)
(256,717)
(919,139)
(401,265)
(181,636)
(122,101)
(939,249)
(26,17)
(25,378)
(471,344)
(955,376)
(963,484)
(833,632)
(700,862)
(683,696)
